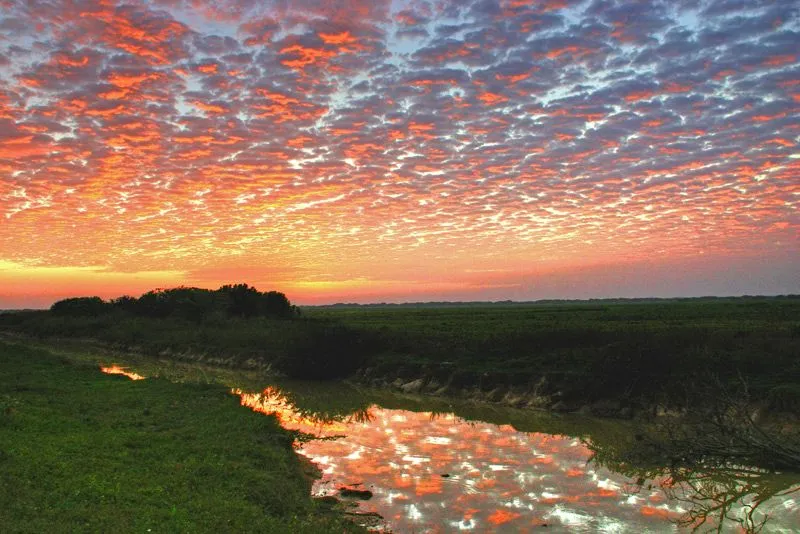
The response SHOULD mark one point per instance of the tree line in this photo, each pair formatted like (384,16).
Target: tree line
(192,303)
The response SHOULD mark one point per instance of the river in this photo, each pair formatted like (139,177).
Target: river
(431,465)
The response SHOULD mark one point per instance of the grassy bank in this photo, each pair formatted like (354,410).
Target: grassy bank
(84,451)
(662,351)
(301,347)
(672,352)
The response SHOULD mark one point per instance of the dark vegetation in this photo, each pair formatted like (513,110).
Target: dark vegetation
(189,303)
(235,325)
(81,451)
(567,354)
(578,353)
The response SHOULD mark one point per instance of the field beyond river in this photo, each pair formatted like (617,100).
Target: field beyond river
(609,357)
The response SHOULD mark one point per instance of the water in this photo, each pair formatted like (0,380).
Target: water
(432,466)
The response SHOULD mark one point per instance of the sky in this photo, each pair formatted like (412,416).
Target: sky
(375,150)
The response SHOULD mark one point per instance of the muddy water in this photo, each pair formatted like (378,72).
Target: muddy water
(430,470)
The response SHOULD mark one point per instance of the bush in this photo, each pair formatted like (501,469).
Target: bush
(80,306)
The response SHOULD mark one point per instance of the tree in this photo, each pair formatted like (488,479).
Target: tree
(274,303)
(155,304)
(80,306)
(125,303)
(243,300)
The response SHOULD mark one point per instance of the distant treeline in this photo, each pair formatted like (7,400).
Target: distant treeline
(192,303)
(545,302)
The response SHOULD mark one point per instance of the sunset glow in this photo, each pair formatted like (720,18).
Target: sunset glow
(378,150)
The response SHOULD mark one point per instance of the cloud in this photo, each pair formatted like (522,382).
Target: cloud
(355,139)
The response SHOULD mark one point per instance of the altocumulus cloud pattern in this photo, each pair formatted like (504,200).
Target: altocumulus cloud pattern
(361,147)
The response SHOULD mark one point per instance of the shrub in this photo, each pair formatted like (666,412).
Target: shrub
(80,306)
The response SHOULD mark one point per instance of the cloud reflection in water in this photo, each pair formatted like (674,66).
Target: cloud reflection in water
(117,370)
(432,473)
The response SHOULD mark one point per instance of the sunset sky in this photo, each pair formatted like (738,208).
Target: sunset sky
(370,150)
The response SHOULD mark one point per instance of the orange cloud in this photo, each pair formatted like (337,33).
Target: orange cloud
(492,98)
(208,68)
(302,56)
(338,38)
(672,87)
(640,95)
(209,108)
(778,61)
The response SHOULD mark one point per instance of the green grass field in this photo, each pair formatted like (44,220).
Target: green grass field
(81,451)
(590,350)
(581,352)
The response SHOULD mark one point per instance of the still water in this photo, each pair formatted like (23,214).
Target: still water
(437,467)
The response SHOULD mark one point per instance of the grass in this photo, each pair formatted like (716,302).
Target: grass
(235,342)
(639,353)
(84,451)
(590,350)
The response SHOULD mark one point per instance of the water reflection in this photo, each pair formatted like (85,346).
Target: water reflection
(437,472)
(273,401)
(727,497)
(117,370)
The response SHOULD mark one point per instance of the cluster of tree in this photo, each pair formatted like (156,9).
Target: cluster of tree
(238,300)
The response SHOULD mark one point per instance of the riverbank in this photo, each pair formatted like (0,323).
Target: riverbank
(327,408)
(607,358)
(85,451)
